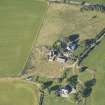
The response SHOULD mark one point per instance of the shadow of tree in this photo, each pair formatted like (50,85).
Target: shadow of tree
(47,84)
(55,87)
(87,92)
(88,87)
(73,80)
(83,68)
(74,37)
(90,83)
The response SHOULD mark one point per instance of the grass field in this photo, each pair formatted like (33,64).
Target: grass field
(19,23)
(17,93)
(63,20)
(53,100)
(96,60)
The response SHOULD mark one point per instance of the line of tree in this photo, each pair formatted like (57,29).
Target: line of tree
(99,7)
(96,41)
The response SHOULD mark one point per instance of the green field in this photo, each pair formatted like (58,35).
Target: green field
(96,60)
(20,21)
(17,93)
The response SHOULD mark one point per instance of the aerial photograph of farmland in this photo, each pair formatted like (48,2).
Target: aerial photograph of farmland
(52,52)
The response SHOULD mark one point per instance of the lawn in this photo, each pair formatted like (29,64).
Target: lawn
(84,76)
(96,60)
(17,93)
(53,100)
(63,20)
(20,21)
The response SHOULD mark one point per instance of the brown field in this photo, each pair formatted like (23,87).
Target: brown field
(63,20)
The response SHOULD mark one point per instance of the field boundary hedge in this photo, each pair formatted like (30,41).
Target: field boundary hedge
(86,51)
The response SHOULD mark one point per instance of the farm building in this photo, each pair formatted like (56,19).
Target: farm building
(88,6)
(65,91)
(56,1)
(29,78)
(52,54)
(61,59)
(63,49)
(66,1)
(74,2)
(71,47)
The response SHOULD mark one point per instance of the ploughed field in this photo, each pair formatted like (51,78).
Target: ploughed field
(17,93)
(20,21)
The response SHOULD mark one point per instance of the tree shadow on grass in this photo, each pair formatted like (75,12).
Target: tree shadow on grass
(88,87)
(90,83)
(55,87)
(87,92)
(73,80)
(47,84)
(74,37)
(83,68)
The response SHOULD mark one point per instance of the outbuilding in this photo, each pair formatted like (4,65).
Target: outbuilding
(71,47)
(65,91)
(52,54)
(61,59)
